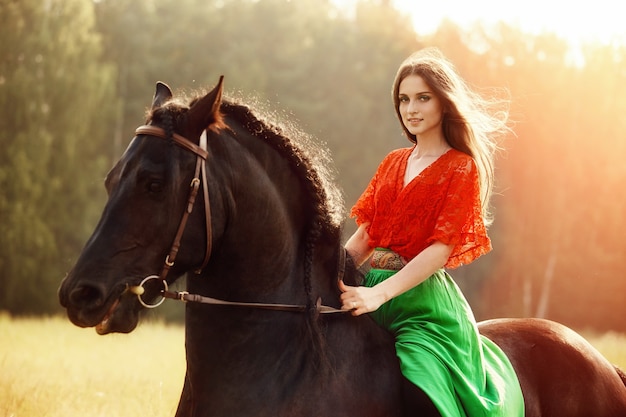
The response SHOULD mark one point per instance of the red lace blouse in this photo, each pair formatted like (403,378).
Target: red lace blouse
(442,203)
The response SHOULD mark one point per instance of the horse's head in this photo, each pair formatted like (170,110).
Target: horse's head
(148,193)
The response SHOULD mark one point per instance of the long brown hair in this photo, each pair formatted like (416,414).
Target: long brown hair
(471,123)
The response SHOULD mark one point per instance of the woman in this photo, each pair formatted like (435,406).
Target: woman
(426,209)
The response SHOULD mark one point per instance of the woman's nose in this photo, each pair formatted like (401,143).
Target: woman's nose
(412,107)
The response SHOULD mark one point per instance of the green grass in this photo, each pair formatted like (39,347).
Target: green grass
(50,368)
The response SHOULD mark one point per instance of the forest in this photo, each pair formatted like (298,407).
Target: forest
(77,76)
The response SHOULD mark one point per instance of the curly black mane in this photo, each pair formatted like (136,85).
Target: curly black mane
(308,159)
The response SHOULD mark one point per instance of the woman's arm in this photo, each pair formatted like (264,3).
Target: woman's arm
(364,300)
(358,245)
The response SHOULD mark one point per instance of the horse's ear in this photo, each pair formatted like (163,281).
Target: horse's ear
(162,94)
(205,113)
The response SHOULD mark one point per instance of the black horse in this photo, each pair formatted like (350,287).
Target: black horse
(252,217)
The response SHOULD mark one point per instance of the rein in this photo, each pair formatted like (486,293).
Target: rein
(198,179)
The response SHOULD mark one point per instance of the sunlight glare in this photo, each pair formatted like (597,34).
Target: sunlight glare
(576,22)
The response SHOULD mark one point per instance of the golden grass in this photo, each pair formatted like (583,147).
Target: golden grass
(50,368)
(611,344)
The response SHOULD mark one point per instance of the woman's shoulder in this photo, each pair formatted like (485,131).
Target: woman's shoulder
(396,155)
(457,155)
(399,152)
(460,160)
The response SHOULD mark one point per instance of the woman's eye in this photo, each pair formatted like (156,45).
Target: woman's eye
(423,98)
(403,99)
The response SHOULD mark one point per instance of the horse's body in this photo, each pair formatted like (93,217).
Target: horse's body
(274,240)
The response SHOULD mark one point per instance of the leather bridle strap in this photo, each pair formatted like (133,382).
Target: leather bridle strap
(178,139)
(199,178)
(296,308)
(319,307)
(207,206)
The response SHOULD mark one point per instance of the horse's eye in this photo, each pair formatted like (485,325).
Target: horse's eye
(155,186)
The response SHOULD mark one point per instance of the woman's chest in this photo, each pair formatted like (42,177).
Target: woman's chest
(415,167)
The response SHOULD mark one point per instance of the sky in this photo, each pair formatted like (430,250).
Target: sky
(576,21)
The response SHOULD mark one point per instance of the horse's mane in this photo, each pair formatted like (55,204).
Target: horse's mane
(312,163)
(308,158)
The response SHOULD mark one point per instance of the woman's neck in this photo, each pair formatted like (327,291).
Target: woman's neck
(431,146)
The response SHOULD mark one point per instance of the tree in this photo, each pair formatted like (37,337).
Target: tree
(325,71)
(55,95)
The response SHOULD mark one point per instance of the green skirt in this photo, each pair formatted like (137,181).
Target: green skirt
(440,350)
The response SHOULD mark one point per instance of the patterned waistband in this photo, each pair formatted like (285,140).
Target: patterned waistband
(387,259)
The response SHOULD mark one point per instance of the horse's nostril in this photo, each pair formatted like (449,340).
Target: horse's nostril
(86,295)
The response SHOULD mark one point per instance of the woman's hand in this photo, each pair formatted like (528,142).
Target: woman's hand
(360,300)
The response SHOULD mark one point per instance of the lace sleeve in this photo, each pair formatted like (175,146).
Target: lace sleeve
(363,209)
(460,221)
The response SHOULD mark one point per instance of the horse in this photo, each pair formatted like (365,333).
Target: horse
(248,210)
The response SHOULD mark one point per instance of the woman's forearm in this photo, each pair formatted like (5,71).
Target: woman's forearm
(358,245)
(416,271)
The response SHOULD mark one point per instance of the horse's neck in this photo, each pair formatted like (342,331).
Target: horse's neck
(267,251)
(329,267)
(262,217)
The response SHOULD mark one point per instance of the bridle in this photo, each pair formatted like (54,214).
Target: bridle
(200,178)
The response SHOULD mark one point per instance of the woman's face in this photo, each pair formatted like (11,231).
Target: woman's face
(420,109)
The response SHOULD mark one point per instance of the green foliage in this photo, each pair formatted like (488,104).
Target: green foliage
(329,73)
(54,97)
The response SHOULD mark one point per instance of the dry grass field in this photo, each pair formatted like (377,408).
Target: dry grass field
(50,368)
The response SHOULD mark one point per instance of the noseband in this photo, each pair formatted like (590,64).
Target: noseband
(200,178)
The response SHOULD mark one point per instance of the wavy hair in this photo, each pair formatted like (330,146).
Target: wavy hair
(471,122)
